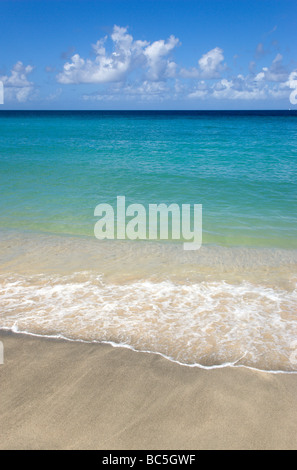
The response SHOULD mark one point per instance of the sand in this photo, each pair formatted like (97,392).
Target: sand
(56,394)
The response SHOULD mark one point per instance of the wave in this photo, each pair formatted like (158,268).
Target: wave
(210,323)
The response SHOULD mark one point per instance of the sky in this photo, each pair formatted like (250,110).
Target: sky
(148,54)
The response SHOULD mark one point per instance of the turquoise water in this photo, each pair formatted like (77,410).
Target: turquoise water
(56,167)
(234,301)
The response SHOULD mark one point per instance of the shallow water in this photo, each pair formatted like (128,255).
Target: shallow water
(232,301)
(210,307)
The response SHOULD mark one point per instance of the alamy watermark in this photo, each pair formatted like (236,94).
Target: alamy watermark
(293,84)
(159,222)
(1,93)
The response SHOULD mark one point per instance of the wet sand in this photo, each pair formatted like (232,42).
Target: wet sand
(56,394)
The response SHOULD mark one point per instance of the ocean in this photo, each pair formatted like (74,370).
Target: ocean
(233,302)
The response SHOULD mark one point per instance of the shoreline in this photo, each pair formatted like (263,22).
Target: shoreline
(126,294)
(227,365)
(59,394)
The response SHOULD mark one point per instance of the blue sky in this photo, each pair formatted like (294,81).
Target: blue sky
(148,54)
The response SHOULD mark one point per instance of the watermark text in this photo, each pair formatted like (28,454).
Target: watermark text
(160,221)
(1,93)
(293,84)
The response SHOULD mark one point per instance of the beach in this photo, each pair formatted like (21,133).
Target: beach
(148,228)
(58,394)
(135,343)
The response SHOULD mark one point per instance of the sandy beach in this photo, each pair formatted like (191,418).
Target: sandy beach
(148,227)
(57,394)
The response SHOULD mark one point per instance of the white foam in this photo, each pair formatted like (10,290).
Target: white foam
(206,324)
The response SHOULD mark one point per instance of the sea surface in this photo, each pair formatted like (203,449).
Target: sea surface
(234,301)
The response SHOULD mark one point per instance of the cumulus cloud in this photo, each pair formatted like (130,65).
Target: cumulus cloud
(155,54)
(127,55)
(130,69)
(16,85)
(210,65)
(271,82)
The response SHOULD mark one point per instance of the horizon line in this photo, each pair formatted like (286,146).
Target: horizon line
(151,110)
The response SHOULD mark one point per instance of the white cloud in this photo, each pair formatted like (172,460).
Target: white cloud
(198,94)
(210,66)
(155,53)
(238,88)
(16,85)
(99,48)
(142,70)
(211,63)
(105,68)
(127,54)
